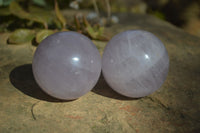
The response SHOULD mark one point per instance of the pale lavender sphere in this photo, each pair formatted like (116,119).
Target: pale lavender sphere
(135,63)
(66,65)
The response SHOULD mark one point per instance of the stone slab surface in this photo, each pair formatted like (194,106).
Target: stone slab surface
(174,108)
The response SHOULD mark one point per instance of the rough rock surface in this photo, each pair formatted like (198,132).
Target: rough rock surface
(174,107)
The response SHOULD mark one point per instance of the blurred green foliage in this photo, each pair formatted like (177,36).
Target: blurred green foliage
(40,2)
(42,34)
(29,20)
(158,14)
(21,36)
(46,16)
(5,2)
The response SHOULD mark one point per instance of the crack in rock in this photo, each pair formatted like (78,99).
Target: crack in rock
(32,110)
(159,103)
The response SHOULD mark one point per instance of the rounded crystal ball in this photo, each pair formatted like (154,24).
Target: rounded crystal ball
(66,65)
(135,63)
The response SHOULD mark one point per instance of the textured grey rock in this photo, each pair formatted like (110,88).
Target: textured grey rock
(174,108)
(66,65)
(135,63)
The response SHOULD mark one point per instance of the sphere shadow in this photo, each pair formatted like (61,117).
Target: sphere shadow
(102,88)
(22,78)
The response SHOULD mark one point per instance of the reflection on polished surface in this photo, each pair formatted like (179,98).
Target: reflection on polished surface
(135,63)
(146,56)
(75,59)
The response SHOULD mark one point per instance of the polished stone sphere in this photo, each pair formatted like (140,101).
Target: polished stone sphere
(66,65)
(135,63)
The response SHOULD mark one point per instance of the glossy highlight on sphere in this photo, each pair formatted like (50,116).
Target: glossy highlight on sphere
(135,63)
(66,65)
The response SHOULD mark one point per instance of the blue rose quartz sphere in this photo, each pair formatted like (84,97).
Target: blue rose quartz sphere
(66,65)
(135,63)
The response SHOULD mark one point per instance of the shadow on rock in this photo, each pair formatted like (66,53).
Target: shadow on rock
(102,88)
(22,78)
